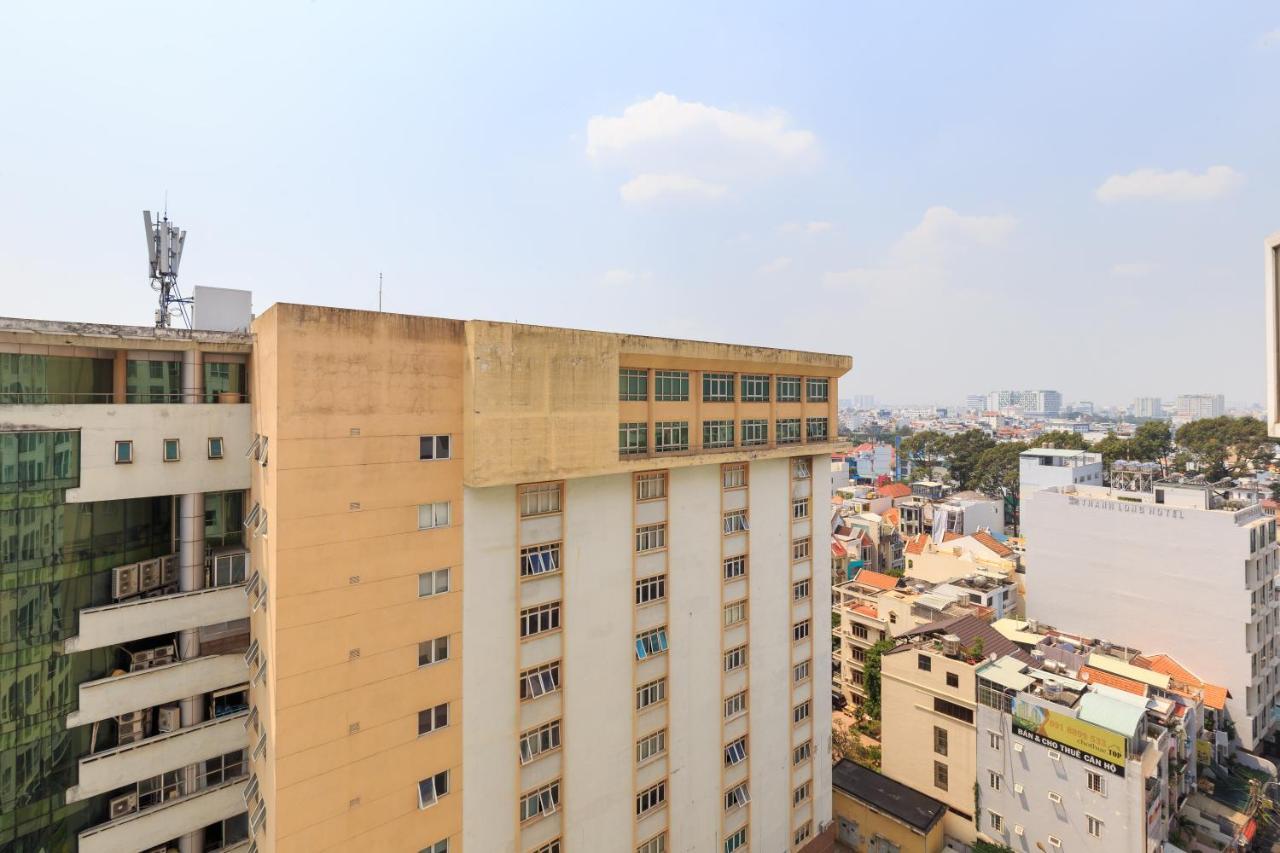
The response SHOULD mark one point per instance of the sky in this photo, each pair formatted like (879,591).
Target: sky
(962,197)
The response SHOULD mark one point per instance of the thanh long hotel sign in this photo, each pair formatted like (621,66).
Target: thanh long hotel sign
(1133,507)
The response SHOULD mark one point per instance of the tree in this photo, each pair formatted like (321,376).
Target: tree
(964,450)
(1112,447)
(1226,445)
(1061,439)
(1151,442)
(924,448)
(871,676)
(997,471)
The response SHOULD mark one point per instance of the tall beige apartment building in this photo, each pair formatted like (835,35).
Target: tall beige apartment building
(364,581)
(533,589)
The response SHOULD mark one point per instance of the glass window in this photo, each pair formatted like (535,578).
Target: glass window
(651,536)
(657,844)
(651,746)
(224,378)
(735,567)
(433,447)
(54,379)
(735,612)
(541,802)
(539,741)
(432,789)
(540,619)
(433,583)
(124,452)
(733,475)
(650,798)
(651,693)
(539,559)
(717,434)
(434,515)
(651,486)
(172,450)
(755,431)
(788,389)
(433,651)
(787,430)
(816,390)
(433,719)
(651,589)
(671,436)
(540,499)
(153,382)
(755,388)
(735,752)
(651,643)
(735,658)
(737,841)
(539,681)
(717,387)
(816,429)
(735,522)
(671,385)
(215,447)
(633,384)
(633,438)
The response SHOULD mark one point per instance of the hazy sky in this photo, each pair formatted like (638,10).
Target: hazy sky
(962,196)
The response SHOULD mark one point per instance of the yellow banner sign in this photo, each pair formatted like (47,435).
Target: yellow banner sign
(1080,740)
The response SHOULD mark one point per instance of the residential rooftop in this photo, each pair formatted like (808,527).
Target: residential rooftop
(919,811)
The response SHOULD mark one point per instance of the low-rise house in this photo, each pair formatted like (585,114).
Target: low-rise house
(875,813)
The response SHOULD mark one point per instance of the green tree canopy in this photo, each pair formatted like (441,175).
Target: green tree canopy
(1062,439)
(997,470)
(1226,445)
(871,676)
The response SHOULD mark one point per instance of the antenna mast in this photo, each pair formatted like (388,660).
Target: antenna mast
(164,251)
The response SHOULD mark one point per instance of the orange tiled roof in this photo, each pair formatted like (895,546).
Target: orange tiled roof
(994,544)
(915,545)
(838,550)
(894,490)
(866,610)
(948,536)
(1215,696)
(1097,676)
(892,516)
(877,579)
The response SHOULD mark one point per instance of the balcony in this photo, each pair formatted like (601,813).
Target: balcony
(112,696)
(161,824)
(149,617)
(113,768)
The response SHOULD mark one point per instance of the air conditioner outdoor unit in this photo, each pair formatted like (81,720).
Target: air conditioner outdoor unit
(170,718)
(150,571)
(1055,797)
(131,732)
(124,805)
(1017,829)
(168,570)
(1017,747)
(124,582)
(1017,788)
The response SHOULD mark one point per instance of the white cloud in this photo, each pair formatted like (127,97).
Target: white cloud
(1132,270)
(815,227)
(710,149)
(776,265)
(922,260)
(644,188)
(623,277)
(1179,185)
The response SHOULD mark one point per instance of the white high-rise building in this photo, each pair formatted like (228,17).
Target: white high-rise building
(1169,568)
(1194,407)
(1148,407)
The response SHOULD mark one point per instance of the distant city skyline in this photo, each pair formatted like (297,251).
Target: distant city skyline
(1070,225)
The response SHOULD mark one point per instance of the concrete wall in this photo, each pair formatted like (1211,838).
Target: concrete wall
(147,426)
(872,823)
(1171,582)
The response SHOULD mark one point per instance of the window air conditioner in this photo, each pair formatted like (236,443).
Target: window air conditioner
(1055,797)
(124,805)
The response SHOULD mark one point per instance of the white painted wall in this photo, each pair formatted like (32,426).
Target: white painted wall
(820,585)
(1172,583)
(147,426)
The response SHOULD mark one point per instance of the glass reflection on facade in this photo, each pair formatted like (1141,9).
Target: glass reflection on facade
(153,382)
(54,379)
(221,378)
(55,558)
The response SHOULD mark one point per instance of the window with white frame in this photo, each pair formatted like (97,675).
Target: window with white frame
(216,447)
(736,797)
(539,559)
(735,521)
(633,438)
(172,450)
(651,643)
(788,389)
(996,740)
(539,681)
(801,794)
(800,468)
(441,846)
(735,612)
(717,387)
(736,841)
(802,833)
(800,590)
(433,515)
(800,713)
(800,671)
(671,436)
(540,619)
(735,752)
(733,476)
(549,847)
(633,384)
(755,432)
(431,789)
(433,719)
(735,567)
(657,844)
(539,741)
(815,429)
(994,780)
(651,485)
(1095,826)
(735,704)
(997,821)
(651,589)
(651,746)
(650,537)
(1097,783)
(735,658)
(433,583)
(800,508)
(717,434)
(755,388)
(800,548)
(651,693)
(124,452)
(540,499)
(433,447)
(671,385)
(433,651)
(801,753)
(787,430)
(651,798)
(541,802)
(800,631)
(816,390)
